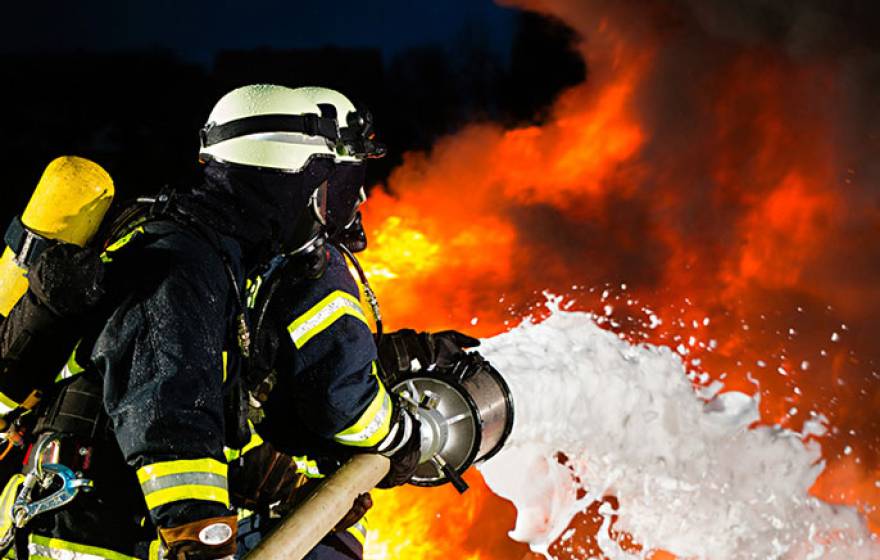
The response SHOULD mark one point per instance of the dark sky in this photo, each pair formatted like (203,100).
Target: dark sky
(196,30)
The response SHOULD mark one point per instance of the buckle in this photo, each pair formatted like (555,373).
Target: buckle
(24,243)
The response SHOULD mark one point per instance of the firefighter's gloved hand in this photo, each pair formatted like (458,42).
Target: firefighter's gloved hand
(263,477)
(403,447)
(359,509)
(206,539)
(449,346)
(68,279)
(407,351)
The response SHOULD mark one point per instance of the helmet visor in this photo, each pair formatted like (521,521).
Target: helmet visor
(345,194)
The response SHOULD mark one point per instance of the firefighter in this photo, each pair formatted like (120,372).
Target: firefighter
(316,363)
(314,359)
(162,353)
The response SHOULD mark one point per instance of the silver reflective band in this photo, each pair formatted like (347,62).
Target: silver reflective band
(183,479)
(307,467)
(374,426)
(216,533)
(324,314)
(66,372)
(407,432)
(389,438)
(42,548)
(359,531)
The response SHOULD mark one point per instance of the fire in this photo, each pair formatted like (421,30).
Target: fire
(711,207)
(401,249)
(438,523)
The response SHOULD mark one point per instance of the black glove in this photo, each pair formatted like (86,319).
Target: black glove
(403,447)
(263,477)
(407,351)
(68,279)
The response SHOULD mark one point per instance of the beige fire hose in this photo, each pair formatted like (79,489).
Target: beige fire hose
(304,527)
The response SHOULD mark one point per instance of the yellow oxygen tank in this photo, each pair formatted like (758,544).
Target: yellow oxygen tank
(68,205)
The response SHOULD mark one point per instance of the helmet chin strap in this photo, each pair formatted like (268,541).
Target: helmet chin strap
(316,203)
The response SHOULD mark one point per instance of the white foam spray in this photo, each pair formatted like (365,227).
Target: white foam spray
(690,476)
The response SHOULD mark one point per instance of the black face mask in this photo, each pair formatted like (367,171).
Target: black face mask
(345,194)
(353,237)
(268,210)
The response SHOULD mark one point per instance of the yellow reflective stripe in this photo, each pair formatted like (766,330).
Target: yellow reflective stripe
(225,364)
(182,466)
(71,368)
(231,454)
(253,289)
(255,441)
(7,498)
(48,548)
(373,425)
(72,364)
(323,314)
(307,467)
(187,479)
(124,240)
(187,492)
(6,404)
(155,549)
(242,514)
(359,531)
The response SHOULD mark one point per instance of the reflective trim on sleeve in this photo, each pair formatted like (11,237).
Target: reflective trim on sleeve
(46,548)
(188,479)
(255,441)
(225,364)
(373,425)
(386,448)
(71,368)
(156,552)
(307,467)
(359,531)
(324,314)
(107,257)
(7,405)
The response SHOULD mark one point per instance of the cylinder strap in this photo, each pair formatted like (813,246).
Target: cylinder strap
(24,243)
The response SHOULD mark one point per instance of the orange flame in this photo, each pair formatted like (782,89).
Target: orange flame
(729,240)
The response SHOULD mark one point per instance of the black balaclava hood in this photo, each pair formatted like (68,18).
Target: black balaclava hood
(265,210)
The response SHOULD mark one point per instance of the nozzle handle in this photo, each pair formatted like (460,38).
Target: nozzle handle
(457,481)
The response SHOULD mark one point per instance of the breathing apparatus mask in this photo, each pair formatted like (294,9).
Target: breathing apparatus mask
(333,208)
(343,195)
(346,185)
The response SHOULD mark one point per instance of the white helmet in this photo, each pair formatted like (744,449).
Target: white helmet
(269,126)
